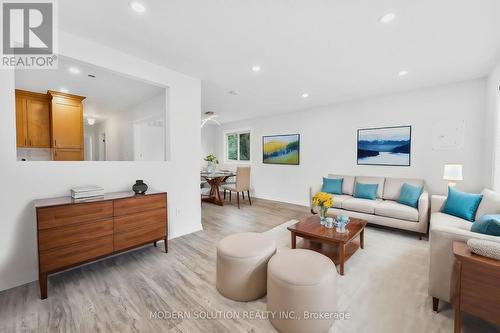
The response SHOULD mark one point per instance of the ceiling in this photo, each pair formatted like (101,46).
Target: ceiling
(106,93)
(335,50)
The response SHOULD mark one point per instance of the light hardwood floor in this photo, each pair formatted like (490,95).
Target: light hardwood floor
(119,294)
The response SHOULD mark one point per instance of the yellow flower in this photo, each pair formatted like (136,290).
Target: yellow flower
(323,199)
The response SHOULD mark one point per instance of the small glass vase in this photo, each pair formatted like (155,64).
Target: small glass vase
(322,214)
(210,167)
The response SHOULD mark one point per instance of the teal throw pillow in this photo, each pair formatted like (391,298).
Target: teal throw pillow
(462,204)
(488,225)
(410,194)
(366,191)
(332,186)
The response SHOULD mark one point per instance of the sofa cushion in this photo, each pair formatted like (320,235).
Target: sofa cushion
(339,199)
(332,186)
(373,180)
(488,225)
(347,184)
(392,186)
(396,210)
(360,205)
(365,191)
(445,220)
(490,204)
(462,204)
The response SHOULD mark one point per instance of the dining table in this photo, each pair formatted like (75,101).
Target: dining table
(215,179)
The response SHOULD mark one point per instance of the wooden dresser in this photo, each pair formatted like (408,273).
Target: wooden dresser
(475,286)
(72,232)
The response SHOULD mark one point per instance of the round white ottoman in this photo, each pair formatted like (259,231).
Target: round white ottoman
(301,291)
(242,265)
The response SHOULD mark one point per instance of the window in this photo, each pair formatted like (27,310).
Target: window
(238,146)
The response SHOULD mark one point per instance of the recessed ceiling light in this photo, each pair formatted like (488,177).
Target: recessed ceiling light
(233,92)
(64,90)
(137,6)
(256,68)
(91,121)
(305,95)
(403,72)
(74,70)
(387,18)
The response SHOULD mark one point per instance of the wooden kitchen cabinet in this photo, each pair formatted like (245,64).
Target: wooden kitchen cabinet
(67,155)
(67,121)
(32,120)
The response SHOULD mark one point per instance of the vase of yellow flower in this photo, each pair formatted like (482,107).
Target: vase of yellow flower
(323,201)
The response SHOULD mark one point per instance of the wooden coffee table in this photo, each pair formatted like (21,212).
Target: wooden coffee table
(337,246)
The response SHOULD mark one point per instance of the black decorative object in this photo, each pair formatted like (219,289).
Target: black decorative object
(139,187)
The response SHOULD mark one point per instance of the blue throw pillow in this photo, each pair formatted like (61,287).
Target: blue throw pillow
(366,191)
(488,225)
(410,194)
(332,186)
(462,204)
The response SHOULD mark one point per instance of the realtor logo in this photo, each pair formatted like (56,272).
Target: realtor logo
(28,34)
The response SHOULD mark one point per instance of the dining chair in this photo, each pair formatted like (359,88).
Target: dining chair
(242,185)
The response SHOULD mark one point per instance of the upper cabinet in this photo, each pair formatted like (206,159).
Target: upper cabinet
(32,119)
(67,120)
(51,120)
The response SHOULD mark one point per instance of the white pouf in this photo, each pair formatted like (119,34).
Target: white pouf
(299,282)
(242,265)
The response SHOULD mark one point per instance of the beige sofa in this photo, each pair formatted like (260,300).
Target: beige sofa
(385,210)
(444,229)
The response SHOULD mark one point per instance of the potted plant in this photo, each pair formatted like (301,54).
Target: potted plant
(211,162)
(323,201)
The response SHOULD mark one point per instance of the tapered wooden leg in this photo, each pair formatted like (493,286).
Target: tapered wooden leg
(166,245)
(230,194)
(249,200)
(341,258)
(435,304)
(362,239)
(42,279)
(154,243)
(419,236)
(238,199)
(294,240)
(224,194)
(243,195)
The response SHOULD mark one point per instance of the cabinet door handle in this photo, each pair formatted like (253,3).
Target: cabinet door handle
(25,143)
(55,143)
(30,142)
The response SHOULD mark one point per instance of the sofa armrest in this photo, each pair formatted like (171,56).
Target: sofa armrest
(423,206)
(442,258)
(437,203)
(312,192)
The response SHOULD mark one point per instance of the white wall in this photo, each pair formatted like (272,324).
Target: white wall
(328,140)
(23,182)
(209,135)
(492,128)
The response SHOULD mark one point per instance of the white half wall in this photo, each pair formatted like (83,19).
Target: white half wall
(24,182)
(492,128)
(328,140)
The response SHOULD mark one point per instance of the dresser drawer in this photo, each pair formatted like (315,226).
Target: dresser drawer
(71,234)
(125,223)
(139,204)
(50,217)
(148,233)
(54,259)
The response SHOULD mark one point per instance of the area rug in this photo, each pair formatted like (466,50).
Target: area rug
(384,288)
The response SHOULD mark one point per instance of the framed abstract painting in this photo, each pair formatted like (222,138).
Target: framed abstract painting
(384,146)
(281,149)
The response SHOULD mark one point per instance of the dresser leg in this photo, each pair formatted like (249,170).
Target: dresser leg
(435,304)
(42,279)
(166,245)
(154,243)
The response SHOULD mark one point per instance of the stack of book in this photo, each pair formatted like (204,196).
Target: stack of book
(83,192)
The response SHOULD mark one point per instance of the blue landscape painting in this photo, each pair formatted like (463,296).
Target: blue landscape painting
(384,146)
